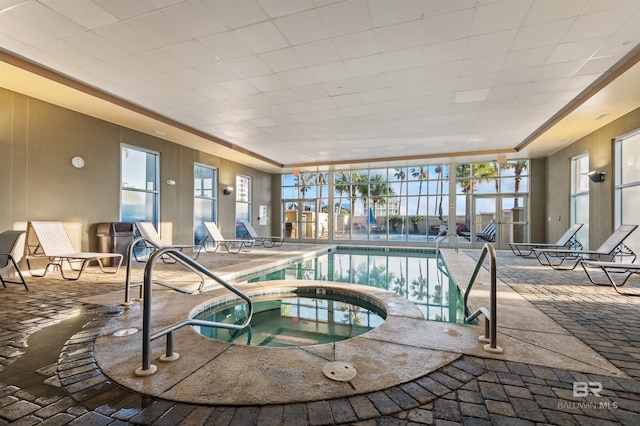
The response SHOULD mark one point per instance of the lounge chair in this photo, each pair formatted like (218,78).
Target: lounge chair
(219,242)
(567,240)
(53,243)
(11,251)
(152,242)
(487,234)
(612,267)
(612,247)
(268,242)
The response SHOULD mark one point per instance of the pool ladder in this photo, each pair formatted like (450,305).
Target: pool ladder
(147,368)
(490,315)
(446,237)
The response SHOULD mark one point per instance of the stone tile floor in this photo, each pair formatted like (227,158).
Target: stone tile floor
(48,375)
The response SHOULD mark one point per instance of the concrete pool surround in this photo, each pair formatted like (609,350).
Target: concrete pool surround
(404,347)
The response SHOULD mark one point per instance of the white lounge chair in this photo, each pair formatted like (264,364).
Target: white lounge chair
(272,241)
(11,251)
(612,267)
(153,242)
(567,240)
(612,247)
(219,242)
(54,244)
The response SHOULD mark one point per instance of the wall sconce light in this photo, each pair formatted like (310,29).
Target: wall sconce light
(227,190)
(596,176)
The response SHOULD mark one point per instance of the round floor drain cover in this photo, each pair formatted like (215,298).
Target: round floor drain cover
(125,332)
(340,371)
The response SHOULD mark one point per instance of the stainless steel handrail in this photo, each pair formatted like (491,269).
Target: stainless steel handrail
(148,368)
(491,314)
(446,237)
(130,256)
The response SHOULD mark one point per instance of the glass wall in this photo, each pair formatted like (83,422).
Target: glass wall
(580,197)
(205,200)
(627,185)
(243,198)
(139,195)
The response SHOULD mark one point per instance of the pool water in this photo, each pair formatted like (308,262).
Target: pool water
(293,320)
(420,276)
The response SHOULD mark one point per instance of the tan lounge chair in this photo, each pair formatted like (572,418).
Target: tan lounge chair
(11,251)
(612,247)
(268,242)
(152,242)
(53,244)
(219,242)
(567,240)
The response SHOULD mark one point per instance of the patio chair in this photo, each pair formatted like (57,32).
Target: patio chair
(268,242)
(612,247)
(53,243)
(612,267)
(11,251)
(152,242)
(487,234)
(567,240)
(219,242)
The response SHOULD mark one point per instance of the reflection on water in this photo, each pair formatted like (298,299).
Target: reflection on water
(420,277)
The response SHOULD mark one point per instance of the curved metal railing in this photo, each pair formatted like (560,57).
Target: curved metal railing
(446,237)
(148,368)
(130,256)
(491,314)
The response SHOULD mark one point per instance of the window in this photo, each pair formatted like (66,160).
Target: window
(627,184)
(139,195)
(243,198)
(580,197)
(205,201)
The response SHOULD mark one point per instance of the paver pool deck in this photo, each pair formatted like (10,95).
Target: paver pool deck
(571,356)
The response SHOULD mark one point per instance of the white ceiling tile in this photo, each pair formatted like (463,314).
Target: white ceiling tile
(596,25)
(515,76)
(597,65)
(490,44)
(399,59)
(46,19)
(442,7)
(346,17)
(195,18)
(302,27)
(282,60)
(283,96)
(385,12)
(447,27)
(583,49)
(543,86)
(399,36)
(405,76)
(328,72)
(241,87)
(24,32)
(339,87)
(85,13)
(356,45)
(313,91)
(262,37)
(193,53)
(125,9)
(541,34)
(163,60)
(502,92)
(364,66)
(560,70)
(259,101)
(526,58)
(447,51)
(128,38)
(476,82)
(298,77)
(216,92)
(233,16)
(552,10)
(499,16)
(70,54)
(156,26)
(219,73)
(248,67)
(277,8)
(192,77)
(483,65)
(442,71)
(316,53)
(268,83)
(95,45)
(226,46)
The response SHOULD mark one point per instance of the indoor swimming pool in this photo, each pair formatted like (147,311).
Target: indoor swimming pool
(419,275)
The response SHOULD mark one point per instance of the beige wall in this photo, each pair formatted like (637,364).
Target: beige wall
(599,145)
(37,142)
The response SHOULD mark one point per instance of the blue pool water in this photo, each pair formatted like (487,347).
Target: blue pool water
(418,275)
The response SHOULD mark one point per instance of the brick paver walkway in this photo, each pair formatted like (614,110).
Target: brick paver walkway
(469,391)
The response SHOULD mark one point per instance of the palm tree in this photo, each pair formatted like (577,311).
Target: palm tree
(378,191)
(421,174)
(401,176)
(518,167)
(351,183)
(481,173)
